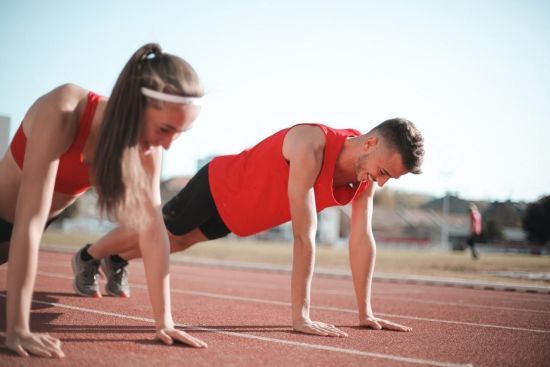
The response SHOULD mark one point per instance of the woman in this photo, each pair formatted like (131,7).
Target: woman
(71,139)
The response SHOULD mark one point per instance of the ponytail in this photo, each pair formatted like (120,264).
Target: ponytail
(121,181)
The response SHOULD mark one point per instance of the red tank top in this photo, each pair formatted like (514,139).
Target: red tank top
(475,223)
(73,176)
(250,189)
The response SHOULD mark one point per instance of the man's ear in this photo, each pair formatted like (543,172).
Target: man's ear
(370,143)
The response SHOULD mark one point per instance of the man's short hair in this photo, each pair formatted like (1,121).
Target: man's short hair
(402,135)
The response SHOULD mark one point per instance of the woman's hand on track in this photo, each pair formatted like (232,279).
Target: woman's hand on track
(169,335)
(379,324)
(41,345)
(317,328)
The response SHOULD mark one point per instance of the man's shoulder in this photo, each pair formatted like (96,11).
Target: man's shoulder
(311,135)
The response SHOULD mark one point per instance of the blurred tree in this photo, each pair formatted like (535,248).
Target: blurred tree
(536,221)
(492,231)
(500,215)
(505,214)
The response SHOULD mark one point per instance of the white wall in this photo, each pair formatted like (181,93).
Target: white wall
(4,134)
(328,226)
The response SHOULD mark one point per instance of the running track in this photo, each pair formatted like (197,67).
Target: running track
(244,317)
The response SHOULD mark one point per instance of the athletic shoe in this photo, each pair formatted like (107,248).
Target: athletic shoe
(117,277)
(86,274)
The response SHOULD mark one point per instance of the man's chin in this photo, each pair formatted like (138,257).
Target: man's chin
(364,178)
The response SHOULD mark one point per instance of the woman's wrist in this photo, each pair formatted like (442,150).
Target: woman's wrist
(165,323)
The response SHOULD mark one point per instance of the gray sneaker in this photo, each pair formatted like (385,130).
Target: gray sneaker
(86,274)
(117,277)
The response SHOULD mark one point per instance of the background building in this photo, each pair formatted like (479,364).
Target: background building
(4,134)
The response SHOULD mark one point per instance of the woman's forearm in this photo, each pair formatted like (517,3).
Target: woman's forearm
(22,266)
(155,250)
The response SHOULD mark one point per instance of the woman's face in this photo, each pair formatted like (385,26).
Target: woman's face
(164,122)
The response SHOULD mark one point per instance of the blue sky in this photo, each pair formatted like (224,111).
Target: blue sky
(473,75)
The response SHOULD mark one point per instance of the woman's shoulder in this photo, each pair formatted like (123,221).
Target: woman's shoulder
(66,97)
(62,100)
(57,111)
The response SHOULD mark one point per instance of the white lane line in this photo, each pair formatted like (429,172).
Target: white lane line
(378,294)
(282,288)
(176,269)
(355,352)
(384,277)
(461,304)
(324,308)
(381,290)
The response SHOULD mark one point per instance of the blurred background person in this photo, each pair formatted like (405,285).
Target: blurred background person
(475,229)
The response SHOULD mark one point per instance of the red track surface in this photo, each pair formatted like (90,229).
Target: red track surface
(244,317)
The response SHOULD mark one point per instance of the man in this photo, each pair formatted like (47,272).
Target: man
(290,175)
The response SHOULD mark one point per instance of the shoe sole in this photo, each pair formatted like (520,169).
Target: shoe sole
(112,294)
(120,295)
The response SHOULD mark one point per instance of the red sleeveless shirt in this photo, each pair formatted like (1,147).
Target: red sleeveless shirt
(250,189)
(73,176)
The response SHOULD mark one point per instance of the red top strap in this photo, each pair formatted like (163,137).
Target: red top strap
(73,176)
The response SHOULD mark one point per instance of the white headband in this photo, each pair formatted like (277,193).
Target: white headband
(170,97)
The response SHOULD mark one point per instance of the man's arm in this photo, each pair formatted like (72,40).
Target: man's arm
(303,148)
(362,255)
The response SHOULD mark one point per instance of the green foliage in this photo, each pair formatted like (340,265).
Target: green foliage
(492,231)
(504,214)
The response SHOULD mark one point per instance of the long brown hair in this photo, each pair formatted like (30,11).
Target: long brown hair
(121,182)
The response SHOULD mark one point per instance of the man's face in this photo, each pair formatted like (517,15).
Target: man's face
(378,162)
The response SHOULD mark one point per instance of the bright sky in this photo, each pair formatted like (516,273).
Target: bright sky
(473,75)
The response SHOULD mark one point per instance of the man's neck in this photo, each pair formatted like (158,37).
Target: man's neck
(344,172)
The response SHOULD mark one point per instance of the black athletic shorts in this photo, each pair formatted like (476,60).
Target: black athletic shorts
(6,228)
(193,207)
